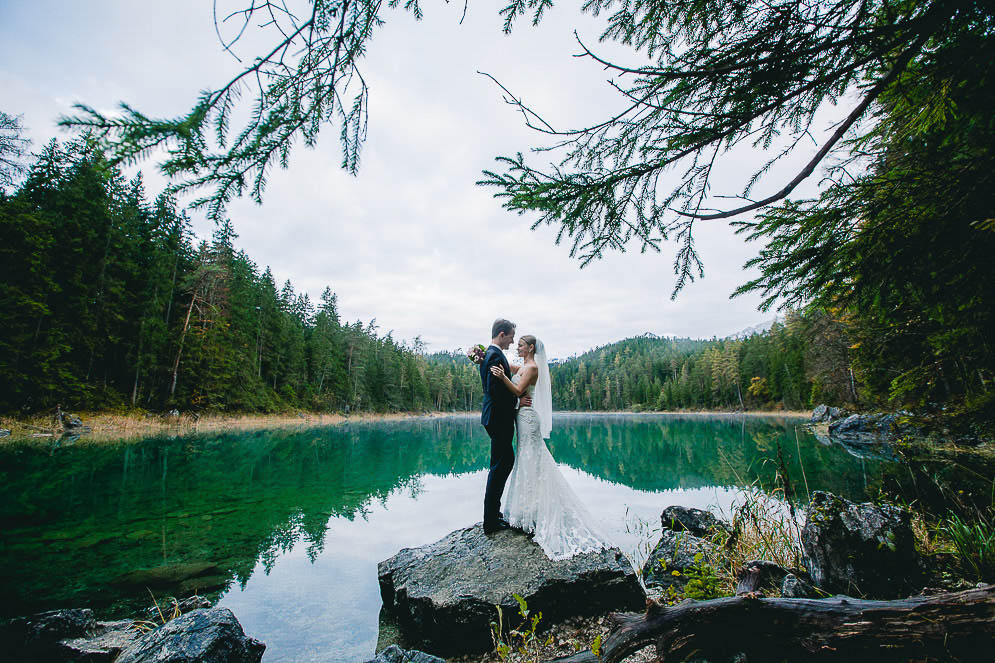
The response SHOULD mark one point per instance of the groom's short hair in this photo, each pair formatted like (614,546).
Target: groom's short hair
(502,325)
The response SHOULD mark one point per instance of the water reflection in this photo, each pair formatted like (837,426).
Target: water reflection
(292,522)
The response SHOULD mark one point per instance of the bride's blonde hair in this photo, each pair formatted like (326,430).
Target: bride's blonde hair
(529,340)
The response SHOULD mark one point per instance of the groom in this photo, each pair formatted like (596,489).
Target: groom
(498,417)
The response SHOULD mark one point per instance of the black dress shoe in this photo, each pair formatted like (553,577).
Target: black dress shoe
(500,524)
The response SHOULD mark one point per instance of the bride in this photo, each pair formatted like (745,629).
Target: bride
(539,500)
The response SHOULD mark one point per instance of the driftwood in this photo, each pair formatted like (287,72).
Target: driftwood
(952,626)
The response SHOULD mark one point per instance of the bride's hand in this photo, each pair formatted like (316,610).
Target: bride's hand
(498,371)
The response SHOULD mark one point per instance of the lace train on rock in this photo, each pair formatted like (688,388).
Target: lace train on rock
(539,499)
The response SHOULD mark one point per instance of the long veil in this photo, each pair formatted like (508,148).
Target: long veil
(542,397)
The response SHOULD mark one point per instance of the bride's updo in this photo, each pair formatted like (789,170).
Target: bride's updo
(529,340)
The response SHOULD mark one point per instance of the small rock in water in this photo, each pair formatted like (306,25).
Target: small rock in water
(4,432)
(165,575)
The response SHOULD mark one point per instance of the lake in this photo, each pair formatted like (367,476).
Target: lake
(289,524)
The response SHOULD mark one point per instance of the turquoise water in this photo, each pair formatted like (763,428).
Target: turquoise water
(289,525)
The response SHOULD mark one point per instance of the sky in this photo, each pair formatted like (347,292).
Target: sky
(411,241)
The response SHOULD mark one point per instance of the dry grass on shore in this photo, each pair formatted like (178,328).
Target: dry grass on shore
(115,426)
(136,424)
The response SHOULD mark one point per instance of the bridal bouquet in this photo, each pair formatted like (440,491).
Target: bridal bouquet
(476,353)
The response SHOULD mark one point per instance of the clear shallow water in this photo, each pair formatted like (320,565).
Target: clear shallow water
(295,521)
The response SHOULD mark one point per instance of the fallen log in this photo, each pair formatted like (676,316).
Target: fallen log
(951,626)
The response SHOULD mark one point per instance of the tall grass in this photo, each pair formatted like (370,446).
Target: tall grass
(974,545)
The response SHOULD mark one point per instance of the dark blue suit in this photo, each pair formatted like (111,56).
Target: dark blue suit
(498,417)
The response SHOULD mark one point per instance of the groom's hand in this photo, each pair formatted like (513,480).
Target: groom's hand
(525,401)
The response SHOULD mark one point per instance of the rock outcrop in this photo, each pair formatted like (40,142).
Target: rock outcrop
(202,636)
(864,427)
(823,413)
(444,594)
(859,549)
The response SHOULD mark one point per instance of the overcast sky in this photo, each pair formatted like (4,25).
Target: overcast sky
(411,241)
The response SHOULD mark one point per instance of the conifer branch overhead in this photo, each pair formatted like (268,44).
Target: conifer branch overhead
(307,78)
(717,75)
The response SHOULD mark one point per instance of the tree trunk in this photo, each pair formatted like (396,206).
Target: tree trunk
(952,626)
(179,351)
(138,363)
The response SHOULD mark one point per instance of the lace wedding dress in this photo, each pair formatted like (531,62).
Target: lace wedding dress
(539,499)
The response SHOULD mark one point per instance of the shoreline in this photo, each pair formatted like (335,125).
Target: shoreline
(106,426)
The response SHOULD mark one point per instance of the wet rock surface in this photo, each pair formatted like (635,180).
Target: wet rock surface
(107,641)
(793,587)
(164,576)
(675,552)
(395,654)
(859,549)
(203,636)
(443,595)
(864,427)
(695,521)
(823,413)
(38,637)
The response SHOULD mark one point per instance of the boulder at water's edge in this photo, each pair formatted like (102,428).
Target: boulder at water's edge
(859,549)
(444,594)
(211,635)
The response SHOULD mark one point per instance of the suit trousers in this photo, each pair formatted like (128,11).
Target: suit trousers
(501,431)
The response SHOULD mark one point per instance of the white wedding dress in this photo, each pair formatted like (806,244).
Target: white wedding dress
(539,500)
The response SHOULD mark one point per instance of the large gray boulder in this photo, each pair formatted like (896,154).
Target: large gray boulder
(669,562)
(444,594)
(859,549)
(695,521)
(202,636)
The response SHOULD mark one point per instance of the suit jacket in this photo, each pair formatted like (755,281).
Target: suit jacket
(498,401)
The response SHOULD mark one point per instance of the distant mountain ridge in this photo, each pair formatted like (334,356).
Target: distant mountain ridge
(757,329)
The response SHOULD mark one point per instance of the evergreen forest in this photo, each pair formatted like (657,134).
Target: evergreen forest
(112,302)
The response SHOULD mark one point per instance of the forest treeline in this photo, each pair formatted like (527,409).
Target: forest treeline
(110,301)
(801,361)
